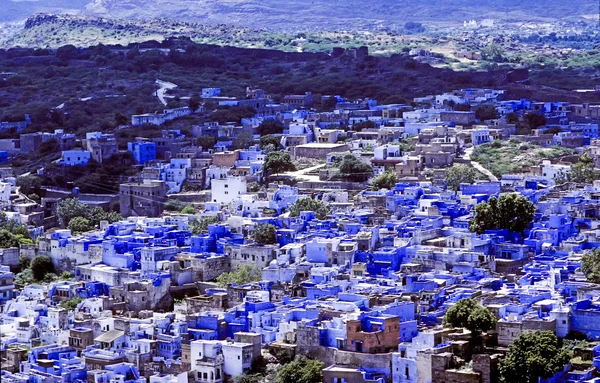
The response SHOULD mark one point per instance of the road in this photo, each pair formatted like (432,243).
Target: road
(478,166)
(161,92)
(301,174)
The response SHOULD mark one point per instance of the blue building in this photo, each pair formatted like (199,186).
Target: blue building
(142,151)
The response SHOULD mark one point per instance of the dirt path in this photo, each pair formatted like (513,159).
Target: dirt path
(161,92)
(302,174)
(478,166)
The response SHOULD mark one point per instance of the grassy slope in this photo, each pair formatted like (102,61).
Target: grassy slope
(514,156)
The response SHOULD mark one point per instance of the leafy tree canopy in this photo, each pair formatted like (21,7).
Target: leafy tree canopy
(590,265)
(206,142)
(353,169)
(301,370)
(200,226)
(79,225)
(359,126)
(387,180)
(243,275)
(583,171)
(486,112)
(70,208)
(277,162)
(269,141)
(469,314)
(510,211)
(270,127)
(459,174)
(265,234)
(309,204)
(71,304)
(534,120)
(532,356)
(41,266)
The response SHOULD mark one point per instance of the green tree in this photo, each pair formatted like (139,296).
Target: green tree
(510,211)
(353,169)
(301,370)
(243,140)
(48,147)
(206,142)
(98,214)
(277,162)
(486,112)
(249,378)
(469,314)
(309,204)
(270,127)
(512,118)
(29,184)
(243,275)
(189,209)
(71,303)
(194,102)
(269,141)
(534,120)
(200,226)
(66,276)
(590,265)
(8,239)
(493,52)
(387,180)
(120,119)
(459,174)
(265,234)
(174,205)
(532,356)
(359,126)
(41,266)
(70,208)
(80,225)
(583,171)
(24,262)
(328,104)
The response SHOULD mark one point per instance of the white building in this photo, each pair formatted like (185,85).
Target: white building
(226,190)
(5,188)
(215,172)
(387,152)
(550,170)
(211,359)
(481,135)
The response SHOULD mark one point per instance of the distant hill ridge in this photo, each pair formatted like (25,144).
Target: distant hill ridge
(309,14)
(53,31)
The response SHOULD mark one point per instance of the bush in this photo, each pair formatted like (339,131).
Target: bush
(41,266)
(469,314)
(189,209)
(265,234)
(79,225)
(174,205)
(309,204)
(71,303)
(301,370)
(353,169)
(387,180)
(243,275)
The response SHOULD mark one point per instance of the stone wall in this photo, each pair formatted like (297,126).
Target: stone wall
(10,257)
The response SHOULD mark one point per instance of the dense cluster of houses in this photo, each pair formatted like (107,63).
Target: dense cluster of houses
(364,289)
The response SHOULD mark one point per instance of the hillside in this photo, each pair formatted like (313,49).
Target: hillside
(309,15)
(345,14)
